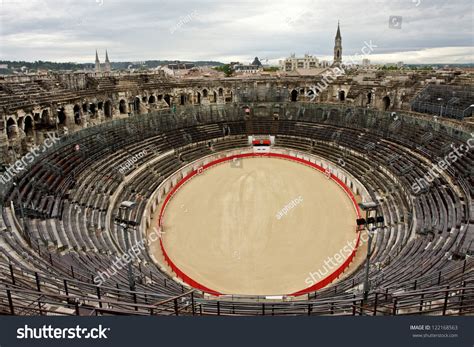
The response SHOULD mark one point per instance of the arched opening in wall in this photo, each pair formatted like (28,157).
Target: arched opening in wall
(230,97)
(93,109)
(204,93)
(29,126)
(182,99)
(11,128)
(100,105)
(168,99)
(319,113)
(160,97)
(215,97)
(136,104)
(333,116)
(386,102)
(61,116)
(294,95)
(37,118)
(221,92)
(144,99)
(151,99)
(198,98)
(122,106)
(108,109)
(85,108)
(369,98)
(44,120)
(77,114)
(342,95)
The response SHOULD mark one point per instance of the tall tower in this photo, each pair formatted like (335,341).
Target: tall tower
(97,62)
(107,62)
(338,48)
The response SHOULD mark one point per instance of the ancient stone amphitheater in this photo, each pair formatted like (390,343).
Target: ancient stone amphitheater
(60,205)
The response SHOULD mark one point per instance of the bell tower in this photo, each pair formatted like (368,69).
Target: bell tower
(338,48)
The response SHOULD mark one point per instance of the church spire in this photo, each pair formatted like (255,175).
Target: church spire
(338,34)
(97,62)
(338,47)
(107,62)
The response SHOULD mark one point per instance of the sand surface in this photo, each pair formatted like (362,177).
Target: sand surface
(222,227)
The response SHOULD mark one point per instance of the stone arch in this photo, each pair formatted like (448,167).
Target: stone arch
(386,102)
(122,106)
(77,114)
(62,116)
(294,95)
(152,99)
(182,99)
(100,105)
(44,119)
(341,95)
(108,109)
(198,98)
(221,92)
(85,108)
(369,98)
(93,109)
(334,115)
(168,99)
(12,129)
(28,125)
(319,113)
(215,96)
(144,99)
(136,104)
(204,93)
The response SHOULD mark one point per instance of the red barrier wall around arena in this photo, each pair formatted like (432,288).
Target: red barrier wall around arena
(321,284)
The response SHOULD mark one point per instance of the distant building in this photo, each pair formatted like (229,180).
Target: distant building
(178,69)
(253,68)
(107,62)
(97,62)
(105,67)
(256,62)
(309,62)
(294,63)
(337,48)
(180,66)
(248,69)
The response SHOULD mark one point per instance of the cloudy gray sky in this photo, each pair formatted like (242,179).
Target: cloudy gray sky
(423,31)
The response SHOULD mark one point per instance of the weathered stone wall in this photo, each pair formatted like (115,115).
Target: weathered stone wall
(65,103)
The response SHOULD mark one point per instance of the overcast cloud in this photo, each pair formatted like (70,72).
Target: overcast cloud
(431,31)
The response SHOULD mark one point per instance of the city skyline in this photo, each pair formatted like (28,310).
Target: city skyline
(412,31)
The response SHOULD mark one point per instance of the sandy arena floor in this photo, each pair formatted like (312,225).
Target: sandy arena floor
(221,228)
